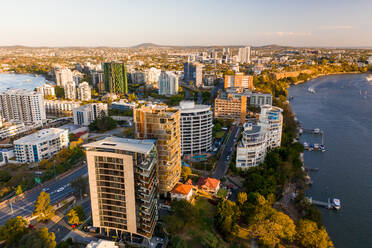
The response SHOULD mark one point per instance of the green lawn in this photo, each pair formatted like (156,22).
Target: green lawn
(219,134)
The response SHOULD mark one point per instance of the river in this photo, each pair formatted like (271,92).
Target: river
(20,81)
(342,107)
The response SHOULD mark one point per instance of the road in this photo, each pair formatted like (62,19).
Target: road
(228,147)
(25,206)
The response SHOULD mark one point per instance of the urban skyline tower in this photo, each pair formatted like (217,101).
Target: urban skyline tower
(163,124)
(244,55)
(123,188)
(115,78)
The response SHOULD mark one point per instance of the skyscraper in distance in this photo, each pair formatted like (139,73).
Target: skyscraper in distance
(193,72)
(168,83)
(115,78)
(244,55)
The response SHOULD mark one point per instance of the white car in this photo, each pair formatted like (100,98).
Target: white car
(60,189)
(45,189)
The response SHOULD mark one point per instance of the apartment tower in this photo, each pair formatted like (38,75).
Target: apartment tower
(115,78)
(163,124)
(123,189)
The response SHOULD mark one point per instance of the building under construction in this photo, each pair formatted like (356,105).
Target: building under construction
(163,124)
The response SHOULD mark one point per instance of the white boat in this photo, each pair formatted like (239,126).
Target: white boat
(306,145)
(316,146)
(369,78)
(336,204)
(316,130)
(311,90)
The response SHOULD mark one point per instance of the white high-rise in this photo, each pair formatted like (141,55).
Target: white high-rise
(196,128)
(84,93)
(70,90)
(244,55)
(22,105)
(63,75)
(168,83)
(260,137)
(152,76)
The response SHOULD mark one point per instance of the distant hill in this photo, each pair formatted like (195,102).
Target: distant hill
(146,45)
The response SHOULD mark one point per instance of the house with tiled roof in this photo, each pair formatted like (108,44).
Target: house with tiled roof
(209,184)
(182,191)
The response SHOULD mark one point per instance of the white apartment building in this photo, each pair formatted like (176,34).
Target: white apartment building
(40,145)
(168,83)
(84,93)
(70,90)
(260,137)
(63,75)
(272,119)
(22,105)
(46,89)
(60,108)
(244,55)
(85,114)
(152,76)
(196,128)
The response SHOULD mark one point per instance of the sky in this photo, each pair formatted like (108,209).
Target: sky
(123,23)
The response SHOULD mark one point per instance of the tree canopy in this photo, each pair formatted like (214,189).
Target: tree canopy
(43,210)
(13,230)
(39,238)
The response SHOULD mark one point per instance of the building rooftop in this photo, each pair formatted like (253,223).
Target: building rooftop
(190,106)
(209,182)
(132,145)
(39,136)
(20,92)
(183,189)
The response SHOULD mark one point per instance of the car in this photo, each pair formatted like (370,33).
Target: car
(60,189)
(45,189)
(227,158)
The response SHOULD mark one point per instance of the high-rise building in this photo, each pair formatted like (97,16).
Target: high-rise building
(115,78)
(86,114)
(369,60)
(163,124)
(239,80)
(70,90)
(260,137)
(152,76)
(84,93)
(123,187)
(168,83)
(196,128)
(97,77)
(193,72)
(63,75)
(40,145)
(244,55)
(22,105)
(46,89)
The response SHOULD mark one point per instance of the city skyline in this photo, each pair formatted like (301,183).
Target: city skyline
(114,23)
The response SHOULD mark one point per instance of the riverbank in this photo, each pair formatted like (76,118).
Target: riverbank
(324,75)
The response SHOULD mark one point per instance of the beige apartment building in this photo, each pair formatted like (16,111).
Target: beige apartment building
(163,124)
(123,189)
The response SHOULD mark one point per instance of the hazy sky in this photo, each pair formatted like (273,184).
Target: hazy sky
(188,22)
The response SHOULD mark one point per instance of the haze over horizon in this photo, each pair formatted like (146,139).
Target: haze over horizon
(114,23)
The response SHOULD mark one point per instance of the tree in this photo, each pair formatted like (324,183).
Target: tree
(73,218)
(186,172)
(39,238)
(13,230)
(19,190)
(60,92)
(209,240)
(268,225)
(242,198)
(177,242)
(103,124)
(310,236)
(226,217)
(43,210)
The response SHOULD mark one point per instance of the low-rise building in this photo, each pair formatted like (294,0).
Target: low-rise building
(123,105)
(86,114)
(102,244)
(60,108)
(182,191)
(239,80)
(5,156)
(40,145)
(209,185)
(11,129)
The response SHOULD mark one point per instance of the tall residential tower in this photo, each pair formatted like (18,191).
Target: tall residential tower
(115,78)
